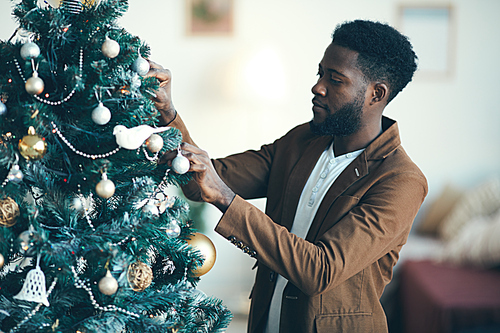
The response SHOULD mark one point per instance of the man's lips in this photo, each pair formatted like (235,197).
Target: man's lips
(317,106)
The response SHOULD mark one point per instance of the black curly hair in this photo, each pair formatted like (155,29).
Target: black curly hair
(385,54)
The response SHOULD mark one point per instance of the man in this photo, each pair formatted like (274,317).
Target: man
(341,191)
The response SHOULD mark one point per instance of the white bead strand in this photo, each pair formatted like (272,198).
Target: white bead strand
(79,284)
(65,99)
(78,152)
(34,311)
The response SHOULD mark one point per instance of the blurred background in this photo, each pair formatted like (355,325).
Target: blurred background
(243,72)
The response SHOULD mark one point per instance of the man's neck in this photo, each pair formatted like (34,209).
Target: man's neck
(359,140)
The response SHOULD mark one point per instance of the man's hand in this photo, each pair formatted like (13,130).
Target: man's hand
(213,189)
(163,98)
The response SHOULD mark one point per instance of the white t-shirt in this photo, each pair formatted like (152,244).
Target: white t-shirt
(327,169)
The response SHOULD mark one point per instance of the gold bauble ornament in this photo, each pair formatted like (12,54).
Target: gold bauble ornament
(2,260)
(108,284)
(154,143)
(139,276)
(9,212)
(205,246)
(32,146)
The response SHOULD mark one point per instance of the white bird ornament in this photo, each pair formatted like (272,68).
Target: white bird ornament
(133,138)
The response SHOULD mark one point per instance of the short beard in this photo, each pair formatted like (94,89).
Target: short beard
(344,122)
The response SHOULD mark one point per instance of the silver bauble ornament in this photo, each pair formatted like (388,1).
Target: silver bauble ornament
(105,188)
(101,114)
(151,209)
(2,260)
(173,229)
(34,85)
(3,108)
(140,66)
(15,174)
(154,143)
(180,164)
(108,284)
(110,48)
(28,241)
(30,51)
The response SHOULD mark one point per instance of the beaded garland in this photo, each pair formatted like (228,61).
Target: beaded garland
(34,311)
(78,152)
(79,284)
(65,99)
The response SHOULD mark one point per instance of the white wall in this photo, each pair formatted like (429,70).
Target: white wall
(450,127)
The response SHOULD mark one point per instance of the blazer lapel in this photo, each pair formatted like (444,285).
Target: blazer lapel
(299,176)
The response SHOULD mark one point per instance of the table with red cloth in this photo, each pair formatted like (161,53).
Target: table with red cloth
(440,298)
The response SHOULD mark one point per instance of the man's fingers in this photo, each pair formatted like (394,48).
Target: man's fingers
(153,64)
(198,168)
(188,148)
(162,74)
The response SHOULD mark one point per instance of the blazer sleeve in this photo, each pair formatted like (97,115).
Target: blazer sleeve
(375,224)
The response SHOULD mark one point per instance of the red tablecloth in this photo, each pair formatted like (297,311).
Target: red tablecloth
(438,298)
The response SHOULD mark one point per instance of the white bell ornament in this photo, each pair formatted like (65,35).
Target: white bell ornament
(34,289)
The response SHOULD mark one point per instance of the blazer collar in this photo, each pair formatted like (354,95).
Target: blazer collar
(380,148)
(386,142)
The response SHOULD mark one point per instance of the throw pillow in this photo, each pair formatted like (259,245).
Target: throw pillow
(477,243)
(480,201)
(438,210)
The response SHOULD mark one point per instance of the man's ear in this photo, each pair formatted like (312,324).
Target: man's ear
(380,93)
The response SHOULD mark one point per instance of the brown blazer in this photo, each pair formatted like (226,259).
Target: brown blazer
(338,273)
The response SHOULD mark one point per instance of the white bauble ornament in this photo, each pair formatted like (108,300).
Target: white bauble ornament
(34,85)
(173,229)
(140,66)
(30,51)
(180,164)
(101,114)
(2,260)
(108,284)
(151,208)
(77,204)
(105,188)
(110,48)
(154,143)
(3,108)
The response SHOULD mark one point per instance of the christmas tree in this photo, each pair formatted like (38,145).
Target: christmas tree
(89,239)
